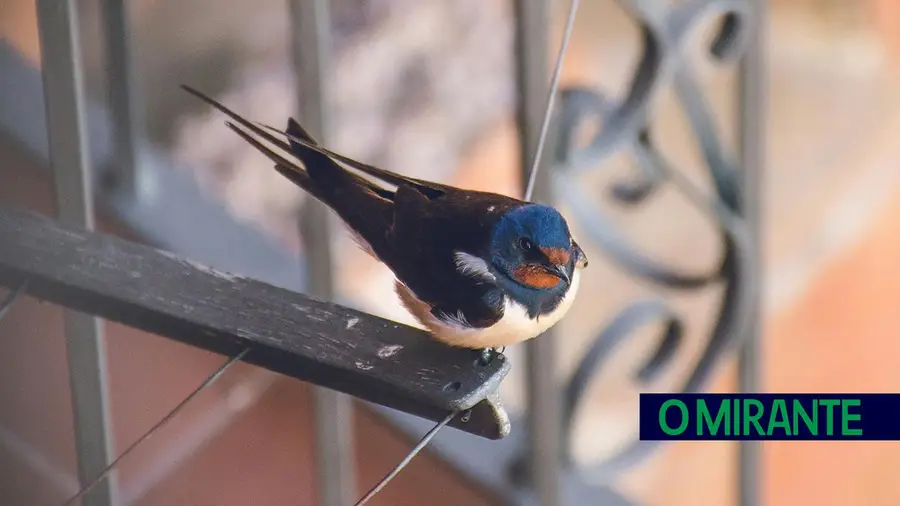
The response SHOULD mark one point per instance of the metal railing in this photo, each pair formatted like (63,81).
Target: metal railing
(509,466)
(63,90)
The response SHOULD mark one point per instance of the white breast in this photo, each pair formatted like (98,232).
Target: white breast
(514,327)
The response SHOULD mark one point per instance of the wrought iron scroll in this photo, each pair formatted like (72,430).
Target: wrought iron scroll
(625,128)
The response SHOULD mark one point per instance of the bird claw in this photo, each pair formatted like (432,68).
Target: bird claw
(487,354)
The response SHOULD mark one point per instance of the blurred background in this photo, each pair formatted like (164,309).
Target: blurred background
(428,88)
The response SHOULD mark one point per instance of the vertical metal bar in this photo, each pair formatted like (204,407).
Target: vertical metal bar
(64,96)
(752,121)
(532,35)
(120,84)
(311,42)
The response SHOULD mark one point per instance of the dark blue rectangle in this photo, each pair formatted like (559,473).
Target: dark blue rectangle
(861,417)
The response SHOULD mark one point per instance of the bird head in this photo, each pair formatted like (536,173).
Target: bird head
(532,248)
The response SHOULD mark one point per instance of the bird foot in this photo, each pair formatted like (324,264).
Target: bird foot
(488,354)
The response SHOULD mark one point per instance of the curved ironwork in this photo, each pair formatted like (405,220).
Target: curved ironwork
(625,128)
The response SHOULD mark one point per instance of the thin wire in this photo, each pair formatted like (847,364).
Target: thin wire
(209,381)
(551,96)
(11,299)
(406,460)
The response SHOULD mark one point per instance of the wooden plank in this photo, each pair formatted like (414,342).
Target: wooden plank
(371,358)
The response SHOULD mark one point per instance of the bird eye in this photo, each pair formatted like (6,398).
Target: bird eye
(525,244)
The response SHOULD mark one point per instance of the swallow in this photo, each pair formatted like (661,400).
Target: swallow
(478,270)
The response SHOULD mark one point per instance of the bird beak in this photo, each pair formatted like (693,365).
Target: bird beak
(560,272)
(581,260)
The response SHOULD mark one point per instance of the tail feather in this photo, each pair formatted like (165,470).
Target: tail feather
(285,167)
(428,188)
(238,118)
(306,150)
(366,208)
(321,165)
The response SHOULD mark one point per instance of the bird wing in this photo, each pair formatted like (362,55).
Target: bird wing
(426,236)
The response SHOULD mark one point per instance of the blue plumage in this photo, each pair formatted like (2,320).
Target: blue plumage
(540,222)
(546,230)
